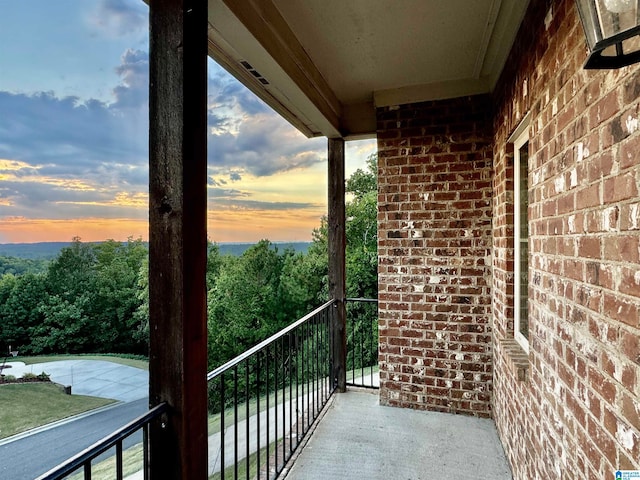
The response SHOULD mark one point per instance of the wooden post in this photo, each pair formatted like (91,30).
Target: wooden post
(337,268)
(177,237)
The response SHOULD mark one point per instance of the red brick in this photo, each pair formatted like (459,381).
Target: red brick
(582,371)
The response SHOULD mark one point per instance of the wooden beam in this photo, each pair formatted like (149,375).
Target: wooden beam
(337,265)
(177,237)
(263,19)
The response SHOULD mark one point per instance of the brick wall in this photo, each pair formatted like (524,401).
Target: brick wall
(434,247)
(575,414)
(570,409)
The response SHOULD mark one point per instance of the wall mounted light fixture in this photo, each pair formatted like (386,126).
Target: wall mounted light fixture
(612,28)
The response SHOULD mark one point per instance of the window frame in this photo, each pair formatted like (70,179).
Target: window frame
(519,139)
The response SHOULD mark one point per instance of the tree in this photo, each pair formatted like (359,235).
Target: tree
(361,234)
(244,303)
(115,299)
(91,299)
(21,298)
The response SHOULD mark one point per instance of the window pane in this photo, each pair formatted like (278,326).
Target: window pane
(524,240)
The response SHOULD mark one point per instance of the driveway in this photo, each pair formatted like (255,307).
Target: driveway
(96,378)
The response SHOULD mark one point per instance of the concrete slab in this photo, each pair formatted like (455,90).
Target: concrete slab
(359,439)
(96,378)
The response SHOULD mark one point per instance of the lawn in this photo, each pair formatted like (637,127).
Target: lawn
(24,406)
(132,462)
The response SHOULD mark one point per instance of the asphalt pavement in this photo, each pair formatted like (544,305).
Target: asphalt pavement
(30,456)
(27,455)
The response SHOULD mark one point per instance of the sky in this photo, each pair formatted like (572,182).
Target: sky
(74,133)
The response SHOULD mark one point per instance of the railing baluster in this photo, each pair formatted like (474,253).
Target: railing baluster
(119,461)
(247,416)
(235,422)
(327,355)
(268,423)
(222,432)
(145,452)
(258,414)
(290,396)
(276,366)
(361,342)
(295,356)
(316,376)
(303,350)
(83,459)
(372,327)
(284,400)
(303,364)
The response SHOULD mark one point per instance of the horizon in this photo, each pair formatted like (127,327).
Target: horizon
(146,241)
(74,136)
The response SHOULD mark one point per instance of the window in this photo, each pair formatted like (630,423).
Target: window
(520,140)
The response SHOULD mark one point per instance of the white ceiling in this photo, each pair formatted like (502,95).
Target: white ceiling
(328,63)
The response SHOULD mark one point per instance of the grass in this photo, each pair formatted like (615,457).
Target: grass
(132,462)
(242,466)
(30,405)
(130,360)
(132,459)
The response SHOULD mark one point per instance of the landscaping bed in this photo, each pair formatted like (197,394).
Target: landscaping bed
(26,378)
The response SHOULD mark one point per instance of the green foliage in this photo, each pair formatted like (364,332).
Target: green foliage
(86,301)
(20,301)
(94,298)
(363,182)
(20,266)
(247,301)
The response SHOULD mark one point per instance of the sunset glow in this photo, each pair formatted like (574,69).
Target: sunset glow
(74,136)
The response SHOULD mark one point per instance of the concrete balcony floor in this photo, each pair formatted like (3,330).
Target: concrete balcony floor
(359,439)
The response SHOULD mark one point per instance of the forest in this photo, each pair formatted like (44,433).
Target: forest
(93,297)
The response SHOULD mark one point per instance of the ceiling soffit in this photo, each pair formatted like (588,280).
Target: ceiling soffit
(325,64)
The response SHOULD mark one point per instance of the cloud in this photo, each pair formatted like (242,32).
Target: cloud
(227,92)
(257,205)
(263,145)
(61,152)
(133,70)
(72,157)
(245,135)
(227,193)
(119,17)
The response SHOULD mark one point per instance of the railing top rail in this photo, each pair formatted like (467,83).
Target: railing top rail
(363,300)
(103,445)
(276,336)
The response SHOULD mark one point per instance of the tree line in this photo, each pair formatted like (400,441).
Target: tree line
(93,298)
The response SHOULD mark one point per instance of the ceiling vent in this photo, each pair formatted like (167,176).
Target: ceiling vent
(254,72)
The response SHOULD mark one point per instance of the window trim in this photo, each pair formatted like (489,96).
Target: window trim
(519,138)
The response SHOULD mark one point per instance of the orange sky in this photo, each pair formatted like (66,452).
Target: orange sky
(225,223)
(74,136)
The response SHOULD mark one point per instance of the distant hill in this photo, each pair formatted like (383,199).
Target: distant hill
(35,251)
(49,250)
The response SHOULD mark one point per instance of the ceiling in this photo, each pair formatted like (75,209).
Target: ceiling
(325,65)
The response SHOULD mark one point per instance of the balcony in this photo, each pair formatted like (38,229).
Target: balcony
(358,438)
(275,413)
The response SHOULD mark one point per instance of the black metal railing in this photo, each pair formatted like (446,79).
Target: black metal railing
(83,460)
(265,400)
(362,342)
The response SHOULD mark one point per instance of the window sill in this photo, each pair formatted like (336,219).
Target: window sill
(516,358)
